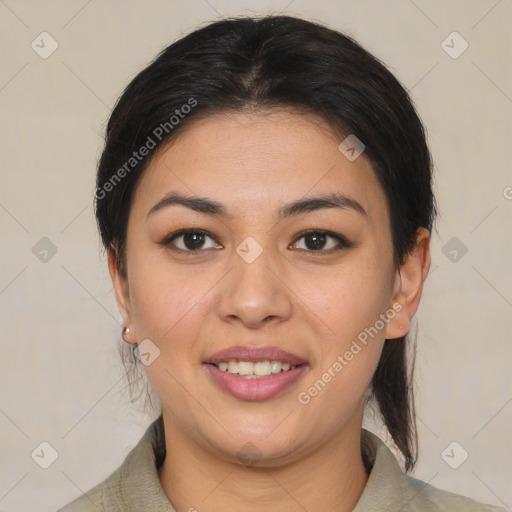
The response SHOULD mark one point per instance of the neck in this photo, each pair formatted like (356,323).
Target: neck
(333,477)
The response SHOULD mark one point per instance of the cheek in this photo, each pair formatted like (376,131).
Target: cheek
(168,308)
(351,297)
(350,302)
(166,304)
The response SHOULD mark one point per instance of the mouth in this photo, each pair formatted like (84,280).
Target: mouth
(251,373)
(255,370)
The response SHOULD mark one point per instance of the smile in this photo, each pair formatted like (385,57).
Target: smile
(251,370)
(254,373)
(253,387)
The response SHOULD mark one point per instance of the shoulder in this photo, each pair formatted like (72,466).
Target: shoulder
(92,501)
(388,488)
(106,494)
(422,496)
(134,485)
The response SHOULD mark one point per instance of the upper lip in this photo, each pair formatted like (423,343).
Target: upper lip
(254,354)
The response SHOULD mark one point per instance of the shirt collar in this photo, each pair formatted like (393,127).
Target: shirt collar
(384,489)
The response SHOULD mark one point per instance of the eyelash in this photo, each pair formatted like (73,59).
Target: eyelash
(343,243)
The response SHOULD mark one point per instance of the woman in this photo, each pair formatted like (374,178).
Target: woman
(265,199)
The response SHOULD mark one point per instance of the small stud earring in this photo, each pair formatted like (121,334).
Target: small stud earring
(126,331)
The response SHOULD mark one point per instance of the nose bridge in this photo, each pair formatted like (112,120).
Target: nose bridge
(253,277)
(253,262)
(252,293)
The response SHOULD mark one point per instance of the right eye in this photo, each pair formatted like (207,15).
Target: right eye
(188,241)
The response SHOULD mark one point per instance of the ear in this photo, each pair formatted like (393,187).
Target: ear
(120,284)
(408,286)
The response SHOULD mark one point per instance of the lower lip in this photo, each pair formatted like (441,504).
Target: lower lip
(261,388)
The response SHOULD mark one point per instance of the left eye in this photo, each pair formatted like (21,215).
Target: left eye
(319,241)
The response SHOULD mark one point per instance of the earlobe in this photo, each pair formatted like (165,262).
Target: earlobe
(120,285)
(409,285)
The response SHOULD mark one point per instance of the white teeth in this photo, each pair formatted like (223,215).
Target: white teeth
(275,366)
(262,368)
(250,370)
(245,368)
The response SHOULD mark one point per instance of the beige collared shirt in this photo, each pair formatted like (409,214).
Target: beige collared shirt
(135,485)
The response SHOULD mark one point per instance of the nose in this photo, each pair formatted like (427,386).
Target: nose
(255,293)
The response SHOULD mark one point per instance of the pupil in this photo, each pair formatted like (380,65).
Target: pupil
(318,240)
(194,238)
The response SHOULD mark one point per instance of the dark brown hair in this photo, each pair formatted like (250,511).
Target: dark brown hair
(280,62)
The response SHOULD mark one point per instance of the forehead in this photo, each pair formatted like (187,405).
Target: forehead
(255,159)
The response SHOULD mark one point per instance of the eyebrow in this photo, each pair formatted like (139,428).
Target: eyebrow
(309,204)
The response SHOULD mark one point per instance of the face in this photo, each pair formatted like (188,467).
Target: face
(287,261)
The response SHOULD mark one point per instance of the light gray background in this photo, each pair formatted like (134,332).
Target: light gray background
(62,380)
